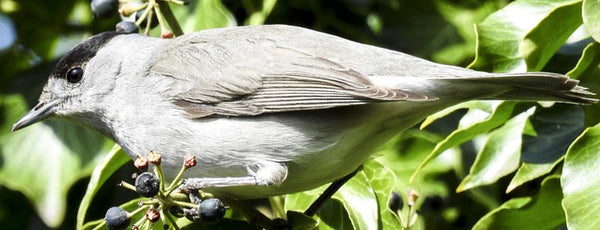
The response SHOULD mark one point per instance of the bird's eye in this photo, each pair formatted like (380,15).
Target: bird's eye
(74,75)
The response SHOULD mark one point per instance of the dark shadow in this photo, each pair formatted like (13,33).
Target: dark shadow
(556,127)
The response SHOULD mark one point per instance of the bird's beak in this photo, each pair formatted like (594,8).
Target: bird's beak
(38,113)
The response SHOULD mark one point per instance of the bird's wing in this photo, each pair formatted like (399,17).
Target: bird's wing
(263,77)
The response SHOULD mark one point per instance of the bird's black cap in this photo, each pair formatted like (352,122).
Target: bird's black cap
(82,53)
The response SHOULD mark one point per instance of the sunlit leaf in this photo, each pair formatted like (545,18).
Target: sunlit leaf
(589,60)
(561,21)
(580,181)
(591,18)
(478,105)
(333,213)
(500,155)
(43,161)
(501,113)
(500,35)
(588,70)
(403,154)
(382,180)
(354,204)
(540,212)
(113,161)
(209,14)
(359,199)
(259,17)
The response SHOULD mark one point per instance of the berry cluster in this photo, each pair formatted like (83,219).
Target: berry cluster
(164,203)
(137,12)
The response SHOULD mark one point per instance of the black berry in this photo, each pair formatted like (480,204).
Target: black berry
(126,27)
(396,202)
(116,218)
(211,210)
(104,8)
(147,184)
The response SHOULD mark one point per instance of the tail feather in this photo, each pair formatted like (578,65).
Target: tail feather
(540,86)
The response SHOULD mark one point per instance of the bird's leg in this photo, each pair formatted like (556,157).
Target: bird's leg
(333,187)
(262,174)
(265,175)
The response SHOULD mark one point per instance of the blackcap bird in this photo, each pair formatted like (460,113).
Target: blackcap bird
(266,110)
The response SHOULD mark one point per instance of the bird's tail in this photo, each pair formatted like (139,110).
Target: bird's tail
(538,86)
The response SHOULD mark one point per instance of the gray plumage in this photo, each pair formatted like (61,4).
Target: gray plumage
(278,109)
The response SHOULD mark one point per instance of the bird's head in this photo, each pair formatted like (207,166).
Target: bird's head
(76,85)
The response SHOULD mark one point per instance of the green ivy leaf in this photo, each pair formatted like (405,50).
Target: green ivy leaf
(591,18)
(112,162)
(471,105)
(557,127)
(561,21)
(45,159)
(300,221)
(461,17)
(383,181)
(403,154)
(259,17)
(484,123)
(331,216)
(589,60)
(587,71)
(580,181)
(540,212)
(500,35)
(209,14)
(500,155)
(354,205)
(359,200)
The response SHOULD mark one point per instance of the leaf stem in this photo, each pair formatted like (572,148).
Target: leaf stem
(171,20)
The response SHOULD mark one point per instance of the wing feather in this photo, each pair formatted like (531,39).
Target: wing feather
(210,78)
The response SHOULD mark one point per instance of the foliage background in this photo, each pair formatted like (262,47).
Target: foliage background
(45,169)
